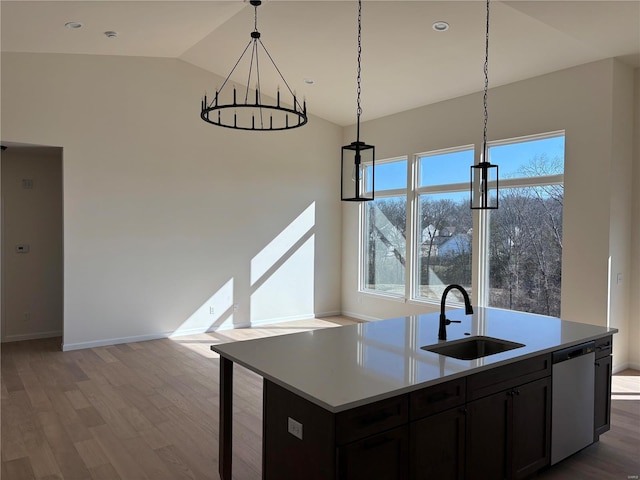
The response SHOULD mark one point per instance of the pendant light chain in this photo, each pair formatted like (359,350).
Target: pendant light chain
(484,176)
(358,162)
(359,89)
(486,87)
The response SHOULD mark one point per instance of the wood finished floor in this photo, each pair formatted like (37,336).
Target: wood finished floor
(149,410)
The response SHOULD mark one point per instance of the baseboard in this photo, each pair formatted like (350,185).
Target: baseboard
(293,318)
(157,336)
(359,316)
(30,336)
(625,366)
(144,338)
(337,313)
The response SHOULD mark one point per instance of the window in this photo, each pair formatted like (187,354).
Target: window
(384,228)
(444,222)
(525,233)
(426,200)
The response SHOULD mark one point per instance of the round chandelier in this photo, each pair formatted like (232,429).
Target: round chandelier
(246,109)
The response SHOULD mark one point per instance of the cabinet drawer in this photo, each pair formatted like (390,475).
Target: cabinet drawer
(502,378)
(604,346)
(436,398)
(381,456)
(370,419)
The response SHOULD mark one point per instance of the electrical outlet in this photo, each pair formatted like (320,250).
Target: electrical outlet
(294,428)
(211,310)
(235,307)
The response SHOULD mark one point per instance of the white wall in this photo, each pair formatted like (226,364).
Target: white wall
(32,279)
(580,101)
(621,203)
(634,307)
(167,217)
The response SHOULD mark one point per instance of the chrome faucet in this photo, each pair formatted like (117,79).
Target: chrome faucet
(444,321)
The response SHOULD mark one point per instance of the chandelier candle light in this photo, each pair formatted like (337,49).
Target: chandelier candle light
(358,158)
(484,175)
(245,114)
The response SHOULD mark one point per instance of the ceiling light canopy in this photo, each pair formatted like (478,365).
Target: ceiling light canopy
(242,109)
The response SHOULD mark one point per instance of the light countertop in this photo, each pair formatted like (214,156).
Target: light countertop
(344,367)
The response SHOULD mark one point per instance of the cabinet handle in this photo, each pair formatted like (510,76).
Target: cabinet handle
(517,392)
(375,418)
(438,397)
(376,442)
(597,364)
(463,410)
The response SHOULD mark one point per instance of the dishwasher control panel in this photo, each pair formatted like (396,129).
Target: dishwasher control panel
(573,352)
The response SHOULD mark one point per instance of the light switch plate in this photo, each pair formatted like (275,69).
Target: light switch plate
(294,428)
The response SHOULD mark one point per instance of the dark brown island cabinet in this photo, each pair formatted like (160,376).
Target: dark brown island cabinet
(602,399)
(494,424)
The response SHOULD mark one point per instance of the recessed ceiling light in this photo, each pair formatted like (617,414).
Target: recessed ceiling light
(309,81)
(73,25)
(111,34)
(440,26)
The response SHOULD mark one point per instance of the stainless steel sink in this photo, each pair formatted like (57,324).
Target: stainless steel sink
(473,347)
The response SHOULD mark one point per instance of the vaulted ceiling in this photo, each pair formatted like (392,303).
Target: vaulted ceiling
(405,63)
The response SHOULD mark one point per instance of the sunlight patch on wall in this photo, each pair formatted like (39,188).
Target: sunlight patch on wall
(288,292)
(283,273)
(279,246)
(216,312)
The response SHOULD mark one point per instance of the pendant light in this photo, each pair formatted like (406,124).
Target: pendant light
(484,175)
(241,110)
(358,158)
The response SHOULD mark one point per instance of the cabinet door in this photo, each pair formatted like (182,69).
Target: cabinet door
(531,429)
(382,456)
(487,446)
(436,446)
(602,400)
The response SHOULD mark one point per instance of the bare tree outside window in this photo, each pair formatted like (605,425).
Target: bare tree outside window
(444,241)
(386,220)
(525,247)
(523,251)
(385,236)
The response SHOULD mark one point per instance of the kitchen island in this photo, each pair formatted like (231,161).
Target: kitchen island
(344,401)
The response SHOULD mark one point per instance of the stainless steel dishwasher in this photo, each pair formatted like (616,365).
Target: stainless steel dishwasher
(573,389)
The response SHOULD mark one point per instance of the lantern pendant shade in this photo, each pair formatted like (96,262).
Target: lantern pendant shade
(358,162)
(484,186)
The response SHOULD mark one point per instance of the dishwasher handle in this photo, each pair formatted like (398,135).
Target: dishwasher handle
(573,352)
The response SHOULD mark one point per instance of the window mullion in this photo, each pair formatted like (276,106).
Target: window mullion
(412,218)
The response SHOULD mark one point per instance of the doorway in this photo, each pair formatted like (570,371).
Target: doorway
(32,242)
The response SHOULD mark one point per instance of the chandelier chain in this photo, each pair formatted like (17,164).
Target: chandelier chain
(255,18)
(486,85)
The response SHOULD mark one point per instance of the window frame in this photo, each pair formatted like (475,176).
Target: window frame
(481,221)
(484,219)
(363,234)
(416,191)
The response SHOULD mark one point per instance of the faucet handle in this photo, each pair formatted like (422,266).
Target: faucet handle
(452,321)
